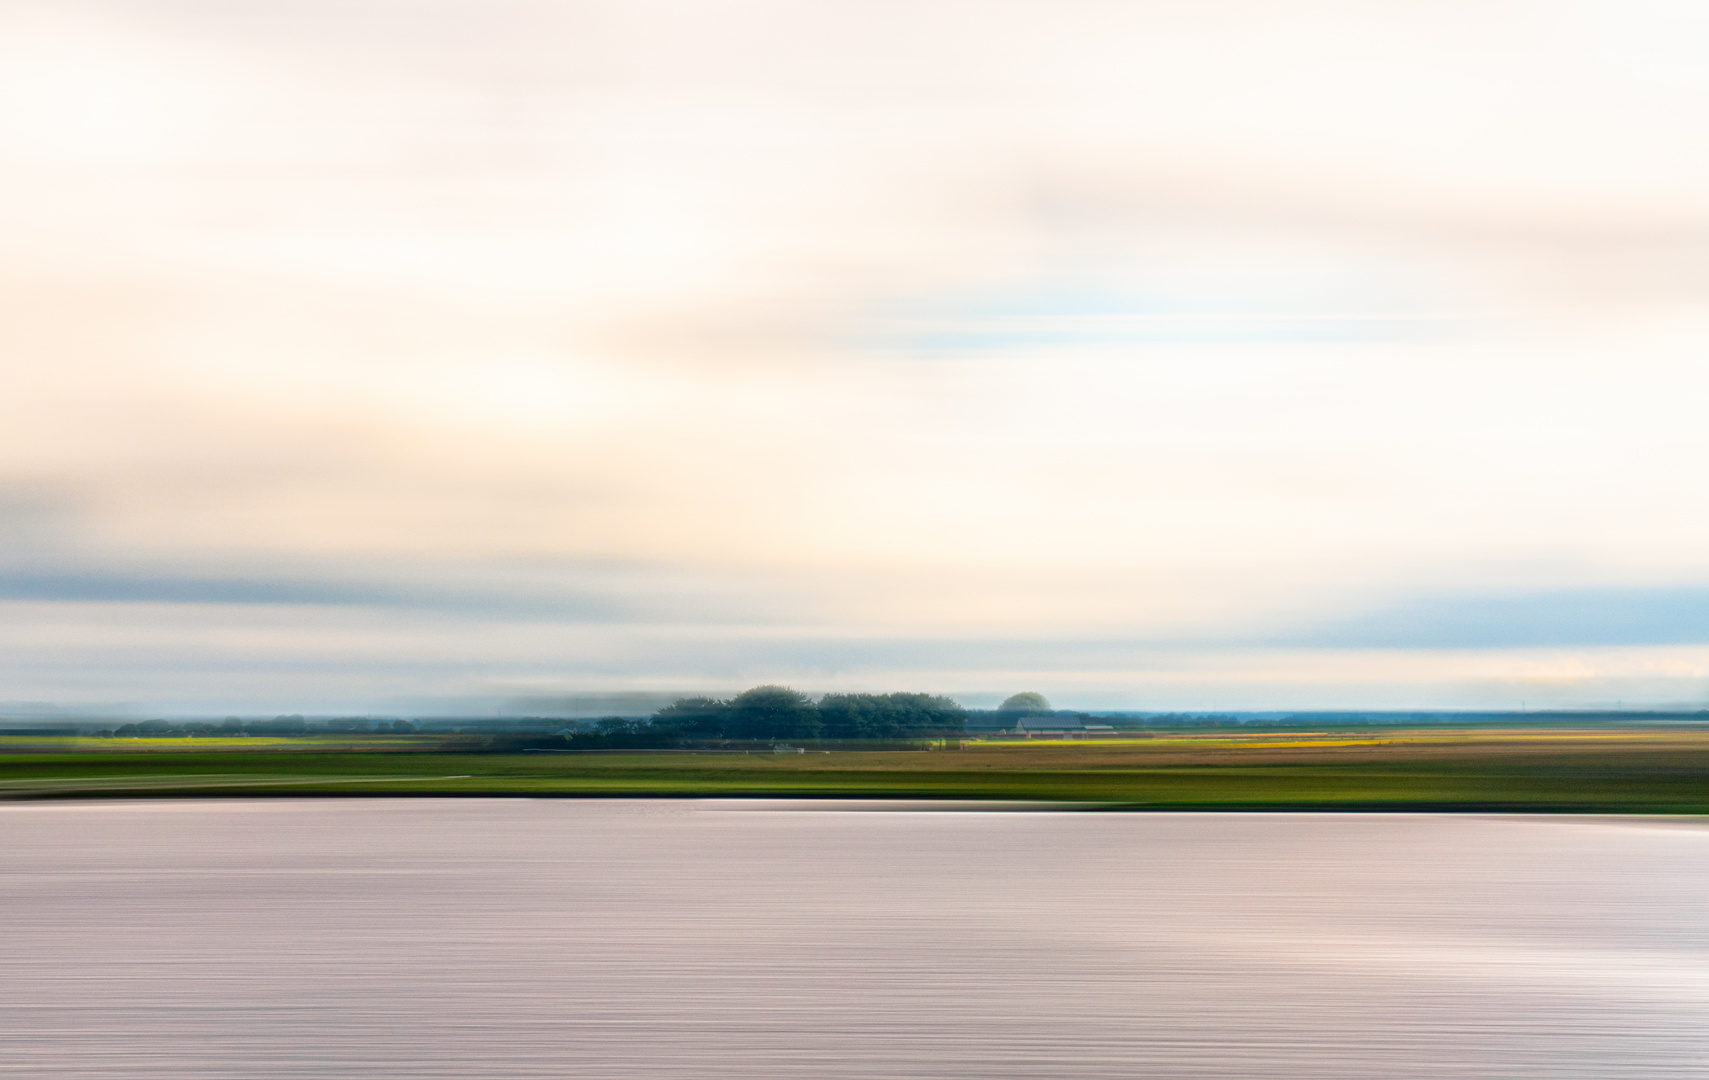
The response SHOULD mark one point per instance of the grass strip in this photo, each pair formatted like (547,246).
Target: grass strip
(1625,772)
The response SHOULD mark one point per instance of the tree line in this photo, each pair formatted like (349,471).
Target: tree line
(279,725)
(761,714)
(769,713)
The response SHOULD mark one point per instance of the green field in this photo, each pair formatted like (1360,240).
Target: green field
(1585,771)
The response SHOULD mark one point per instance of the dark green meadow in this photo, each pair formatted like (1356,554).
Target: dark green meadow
(1663,771)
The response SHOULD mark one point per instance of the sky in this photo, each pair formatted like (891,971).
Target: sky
(454,356)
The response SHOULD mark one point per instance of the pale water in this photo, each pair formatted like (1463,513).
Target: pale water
(588,939)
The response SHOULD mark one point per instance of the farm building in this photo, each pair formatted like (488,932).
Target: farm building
(1061,727)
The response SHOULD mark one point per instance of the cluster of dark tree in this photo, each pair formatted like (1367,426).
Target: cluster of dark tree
(777,712)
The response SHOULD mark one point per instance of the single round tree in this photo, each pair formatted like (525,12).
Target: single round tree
(1028,701)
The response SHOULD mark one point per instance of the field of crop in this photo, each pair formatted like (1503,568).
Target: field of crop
(1609,771)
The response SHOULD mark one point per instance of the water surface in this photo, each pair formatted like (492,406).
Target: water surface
(661,939)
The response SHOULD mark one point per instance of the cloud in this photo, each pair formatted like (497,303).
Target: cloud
(926,337)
